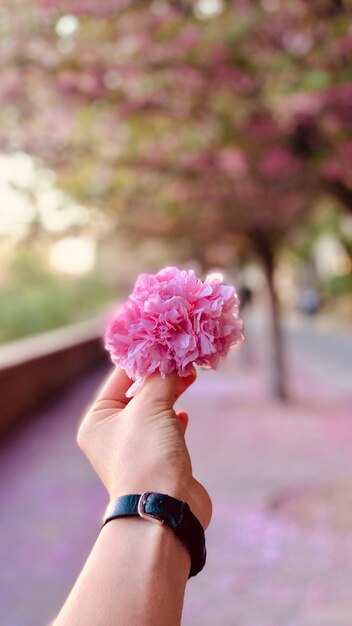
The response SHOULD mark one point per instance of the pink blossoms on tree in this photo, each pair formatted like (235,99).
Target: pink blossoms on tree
(170,321)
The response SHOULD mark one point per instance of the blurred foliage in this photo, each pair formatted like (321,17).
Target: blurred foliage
(326,219)
(193,121)
(338,285)
(33,299)
(188,118)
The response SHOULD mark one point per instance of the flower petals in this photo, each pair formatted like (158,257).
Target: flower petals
(171,320)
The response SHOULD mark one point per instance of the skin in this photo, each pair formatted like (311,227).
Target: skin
(137,571)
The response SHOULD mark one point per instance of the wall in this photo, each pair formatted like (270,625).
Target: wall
(33,369)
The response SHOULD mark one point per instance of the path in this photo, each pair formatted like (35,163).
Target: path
(328,350)
(280,543)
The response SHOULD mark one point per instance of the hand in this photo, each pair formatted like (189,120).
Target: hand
(138,444)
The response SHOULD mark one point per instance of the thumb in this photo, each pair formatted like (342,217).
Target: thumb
(163,392)
(157,392)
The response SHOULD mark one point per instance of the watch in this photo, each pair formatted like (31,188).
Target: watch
(164,509)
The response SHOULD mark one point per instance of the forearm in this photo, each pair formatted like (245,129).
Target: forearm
(135,574)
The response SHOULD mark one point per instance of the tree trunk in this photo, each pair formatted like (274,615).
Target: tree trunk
(277,363)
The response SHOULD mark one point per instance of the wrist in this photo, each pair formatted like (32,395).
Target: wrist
(189,490)
(180,487)
(181,491)
(162,509)
(160,553)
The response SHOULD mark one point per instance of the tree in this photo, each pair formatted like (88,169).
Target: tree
(190,116)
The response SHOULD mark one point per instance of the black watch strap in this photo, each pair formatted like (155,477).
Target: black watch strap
(164,509)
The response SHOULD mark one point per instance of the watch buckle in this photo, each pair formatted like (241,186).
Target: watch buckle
(142,512)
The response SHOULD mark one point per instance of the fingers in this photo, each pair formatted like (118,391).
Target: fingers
(183,419)
(184,382)
(163,392)
(113,393)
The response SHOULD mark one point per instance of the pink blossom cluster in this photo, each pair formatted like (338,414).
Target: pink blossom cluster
(172,320)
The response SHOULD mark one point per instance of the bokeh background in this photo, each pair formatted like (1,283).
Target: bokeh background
(208,134)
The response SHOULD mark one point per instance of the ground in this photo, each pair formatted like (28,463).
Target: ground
(280,542)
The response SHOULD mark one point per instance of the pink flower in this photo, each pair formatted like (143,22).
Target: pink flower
(233,162)
(170,321)
(277,161)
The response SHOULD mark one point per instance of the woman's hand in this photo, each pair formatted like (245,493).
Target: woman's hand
(138,444)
